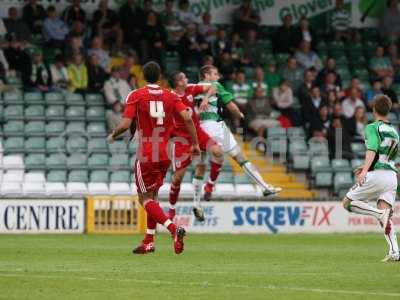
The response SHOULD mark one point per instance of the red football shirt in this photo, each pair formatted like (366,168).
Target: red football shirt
(154,109)
(187,99)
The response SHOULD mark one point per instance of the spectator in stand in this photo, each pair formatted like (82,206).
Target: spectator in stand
(77,74)
(330,84)
(394,59)
(312,104)
(303,92)
(170,21)
(260,113)
(59,74)
(330,66)
(340,20)
(38,78)
(236,47)
(357,124)
(105,24)
(245,18)
(374,91)
(337,131)
(185,16)
(54,29)
(338,110)
(16,27)
(293,73)
(74,13)
(388,90)
(349,104)
(98,49)
(272,77)
(308,58)
(226,66)
(148,8)
(390,22)
(251,54)
(285,37)
(78,29)
(154,38)
(259,81)
(320,123)
(381,64)
(283,101)
(208,60)
(304,33)
(33,15)
(17,58)
(114,118)
(241,90)
(169,15)
(131,67)
(332,99)
(96,74)
(221,44)
(355,83)
(115,88)
(3,30)
(75,46)
(4,67)
(208,30)
(193,46)
(132,19)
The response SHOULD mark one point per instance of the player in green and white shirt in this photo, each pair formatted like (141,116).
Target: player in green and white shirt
(212,123)
(377,177)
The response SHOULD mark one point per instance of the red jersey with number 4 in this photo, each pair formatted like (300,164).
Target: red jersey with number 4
(154,109)
(192,90)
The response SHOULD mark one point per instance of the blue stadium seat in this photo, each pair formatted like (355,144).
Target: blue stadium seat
(56,161)
(98,161)
(99,176)
(78,176)
(35,161)
(34,112)
(35,144)
(55,145)
(55,112)
(55,128)
(75,113)
(77,161)
(14,128)
(54,98)
(97,145)
(35,128)
(57,176)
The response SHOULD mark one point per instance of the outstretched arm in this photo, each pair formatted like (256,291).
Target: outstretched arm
(123,126)
(234,110)
(187,118)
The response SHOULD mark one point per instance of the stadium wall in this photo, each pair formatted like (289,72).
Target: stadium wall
(122,214)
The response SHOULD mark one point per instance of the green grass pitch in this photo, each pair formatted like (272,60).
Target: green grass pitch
(212,267)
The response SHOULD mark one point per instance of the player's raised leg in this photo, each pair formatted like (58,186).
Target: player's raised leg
(216,162)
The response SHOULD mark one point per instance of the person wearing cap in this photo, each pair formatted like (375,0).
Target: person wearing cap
(116,88)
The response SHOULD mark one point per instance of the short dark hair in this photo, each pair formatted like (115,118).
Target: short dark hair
(51,8)
(205,70)
(152,72)
(173,78)
(382,105)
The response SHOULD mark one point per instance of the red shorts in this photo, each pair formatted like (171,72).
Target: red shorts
(182,155)
(150,175)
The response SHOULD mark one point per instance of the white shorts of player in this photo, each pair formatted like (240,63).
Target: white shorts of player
(222,135)
(379,185)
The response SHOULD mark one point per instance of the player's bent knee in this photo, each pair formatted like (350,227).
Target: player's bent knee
(346,203)
(382,204)
(216,151)
(200,169)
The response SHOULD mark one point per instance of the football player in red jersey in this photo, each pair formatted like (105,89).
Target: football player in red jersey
(153,109)
(182,142)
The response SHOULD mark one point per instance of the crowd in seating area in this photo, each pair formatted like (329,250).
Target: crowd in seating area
(294,75)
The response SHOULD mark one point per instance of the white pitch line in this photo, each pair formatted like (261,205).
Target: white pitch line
(208,284)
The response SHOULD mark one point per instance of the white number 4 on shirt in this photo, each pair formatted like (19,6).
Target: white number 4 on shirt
(157,111)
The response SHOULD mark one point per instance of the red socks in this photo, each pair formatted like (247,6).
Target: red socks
(174,193)
(214,172)
(155,212)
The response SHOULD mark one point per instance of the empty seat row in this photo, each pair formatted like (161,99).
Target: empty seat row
(52,98)
(18,128)
(78,161)
(52,112)
(71,144)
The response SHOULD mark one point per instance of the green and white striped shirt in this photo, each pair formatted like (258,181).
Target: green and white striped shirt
(383,139)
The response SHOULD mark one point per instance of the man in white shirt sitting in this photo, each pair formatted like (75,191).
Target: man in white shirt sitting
(116,88)
(351,103)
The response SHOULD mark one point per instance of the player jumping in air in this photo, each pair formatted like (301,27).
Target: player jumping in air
(153,109)
(212,123)
(182,146)
(376,178)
